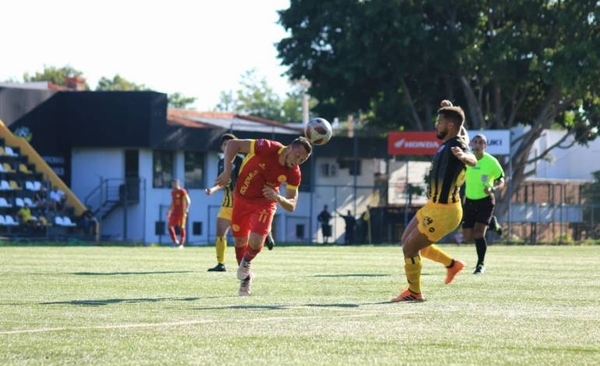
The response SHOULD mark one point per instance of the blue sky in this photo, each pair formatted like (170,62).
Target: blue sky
(198,48)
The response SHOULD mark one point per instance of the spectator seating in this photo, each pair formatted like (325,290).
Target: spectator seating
(4,186)
(8,151)
(19,184)
(11,221)
(7,168)
(24,169)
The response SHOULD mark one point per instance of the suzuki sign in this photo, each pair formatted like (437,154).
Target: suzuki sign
(498,141)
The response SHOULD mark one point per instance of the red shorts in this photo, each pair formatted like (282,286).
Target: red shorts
(254,216)
(177,220)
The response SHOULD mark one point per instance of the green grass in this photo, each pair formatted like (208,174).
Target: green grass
(311,306)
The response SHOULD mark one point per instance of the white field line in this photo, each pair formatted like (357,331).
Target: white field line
(184,323)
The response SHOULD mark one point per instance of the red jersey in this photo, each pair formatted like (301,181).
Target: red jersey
(178,201)
(261,168)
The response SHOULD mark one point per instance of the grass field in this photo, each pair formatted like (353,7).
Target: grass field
(311,306)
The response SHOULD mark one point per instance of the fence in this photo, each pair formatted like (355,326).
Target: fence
(567,219)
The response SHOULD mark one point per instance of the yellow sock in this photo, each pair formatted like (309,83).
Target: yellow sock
(221,245)
(436,254)
(412,268)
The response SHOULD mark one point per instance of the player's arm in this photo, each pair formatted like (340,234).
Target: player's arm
(170,209)
(288,202)
(233,148)
(212,190)
(468,158)
(498,184)
(188,202)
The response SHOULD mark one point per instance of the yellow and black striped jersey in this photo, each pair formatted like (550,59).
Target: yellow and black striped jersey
(228,190)
(447,173)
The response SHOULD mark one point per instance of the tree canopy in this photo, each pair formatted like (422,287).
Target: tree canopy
(256,98)
(57,75)
(53,74)
(118,83)
(530,62)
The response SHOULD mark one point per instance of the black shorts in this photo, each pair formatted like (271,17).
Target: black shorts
(326,229)
(480,211)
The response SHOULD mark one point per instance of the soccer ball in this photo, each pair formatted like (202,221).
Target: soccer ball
(318,131)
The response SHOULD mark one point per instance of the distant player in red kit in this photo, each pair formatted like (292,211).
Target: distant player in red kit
(267,165)
(177,214)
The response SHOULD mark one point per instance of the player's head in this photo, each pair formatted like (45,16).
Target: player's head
(299,152)
(224,138)
(479,143)
(449,121)
(175,183)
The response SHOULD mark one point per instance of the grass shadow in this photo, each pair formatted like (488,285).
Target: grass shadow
(126,273)
(292,306)
(352,275)
(104,302)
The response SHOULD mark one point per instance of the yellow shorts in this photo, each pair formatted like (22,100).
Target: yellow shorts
(436,220)
(225,213)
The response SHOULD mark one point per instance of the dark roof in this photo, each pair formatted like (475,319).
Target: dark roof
(61,120)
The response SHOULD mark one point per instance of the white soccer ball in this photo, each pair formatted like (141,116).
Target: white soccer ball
(318,131)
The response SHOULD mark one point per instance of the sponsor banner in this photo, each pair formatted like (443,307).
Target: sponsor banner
(498,141)
(413,143)
(427,143)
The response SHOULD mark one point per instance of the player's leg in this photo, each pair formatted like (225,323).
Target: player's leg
(182,232)
(171,228)
(223,224)
(482,222)
(260,221)
(412,240)
(495,225)
(244,273)
(269,241)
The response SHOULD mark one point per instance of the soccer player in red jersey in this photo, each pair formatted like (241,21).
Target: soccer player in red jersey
(177,213)
(267,165)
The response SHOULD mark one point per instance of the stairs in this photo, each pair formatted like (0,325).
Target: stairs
(111,194)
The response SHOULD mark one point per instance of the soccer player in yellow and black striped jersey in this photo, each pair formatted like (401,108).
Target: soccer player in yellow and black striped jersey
(443,211)
(224,215)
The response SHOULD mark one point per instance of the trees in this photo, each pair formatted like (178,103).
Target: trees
(118,83)
(530,62)
(53,74)
(256,98)
(57,76)
(591,208)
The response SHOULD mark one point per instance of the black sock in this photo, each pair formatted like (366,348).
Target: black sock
(481,247)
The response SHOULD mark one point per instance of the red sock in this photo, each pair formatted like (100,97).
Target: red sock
(182,232)
(172,234)
(251,253)
(239,253)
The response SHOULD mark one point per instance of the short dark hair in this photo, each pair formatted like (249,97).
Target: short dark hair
(453,113)
(227,136)
(303,141)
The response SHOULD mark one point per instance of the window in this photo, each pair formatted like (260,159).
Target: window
(306,170)
(194,170)
(162,169)
(353,166)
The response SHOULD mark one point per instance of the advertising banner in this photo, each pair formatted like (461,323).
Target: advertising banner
(426,142)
